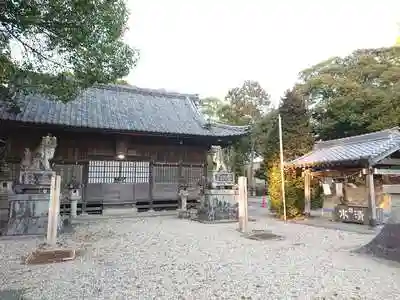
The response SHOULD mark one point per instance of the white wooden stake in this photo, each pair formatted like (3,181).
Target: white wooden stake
(371,197)
(243,208)
(282,167)
(307,193)
(54,210)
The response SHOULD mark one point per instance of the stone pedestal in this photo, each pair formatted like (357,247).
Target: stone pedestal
(29,207)
(74,207)
(223,195)
(35,177)
(219,204)
(74,197)
(29,214)
(5,192)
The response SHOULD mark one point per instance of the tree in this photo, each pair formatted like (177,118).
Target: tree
(267,141)
(59,47)
(297,140)
(297,136)
(353,95)
(245,105)
(211,107)
(121,82)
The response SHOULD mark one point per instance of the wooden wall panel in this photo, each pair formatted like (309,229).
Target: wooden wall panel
(79,147)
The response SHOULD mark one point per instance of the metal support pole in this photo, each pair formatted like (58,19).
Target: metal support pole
(253,186)
(282,167)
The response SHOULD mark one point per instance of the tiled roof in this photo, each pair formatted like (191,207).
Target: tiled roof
(123,108)
(371,148)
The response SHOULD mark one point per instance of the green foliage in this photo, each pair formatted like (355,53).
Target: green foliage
(296,128)
(297,140)
(245,105)
(211,107)
(59,47)
(121,82)
(260,173)
(294,191)
(353,95)
(317,196)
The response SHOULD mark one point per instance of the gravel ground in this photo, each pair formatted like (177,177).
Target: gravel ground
(169,258)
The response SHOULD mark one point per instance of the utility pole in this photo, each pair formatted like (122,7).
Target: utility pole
(253,183)
(282,167)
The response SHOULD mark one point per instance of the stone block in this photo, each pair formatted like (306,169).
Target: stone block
(28,214)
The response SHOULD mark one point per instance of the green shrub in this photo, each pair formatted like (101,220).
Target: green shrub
(317,196)
(294,191)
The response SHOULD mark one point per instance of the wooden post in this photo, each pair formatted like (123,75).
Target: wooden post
(371,197)
(307,193)
(243,208)
(54,210)
(85,180)
(151,184)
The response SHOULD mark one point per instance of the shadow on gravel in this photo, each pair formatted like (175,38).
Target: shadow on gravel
(12,295)
(263,235)
(385,245)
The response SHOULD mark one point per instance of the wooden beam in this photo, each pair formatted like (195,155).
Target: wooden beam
(390,162)
(385,171)
(339,172)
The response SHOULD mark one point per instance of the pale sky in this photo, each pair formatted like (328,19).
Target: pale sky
(209,46)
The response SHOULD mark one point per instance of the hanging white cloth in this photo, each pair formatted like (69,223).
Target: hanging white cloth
(339,189)
(327,189)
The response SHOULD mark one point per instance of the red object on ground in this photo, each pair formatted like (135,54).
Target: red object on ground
(264,202)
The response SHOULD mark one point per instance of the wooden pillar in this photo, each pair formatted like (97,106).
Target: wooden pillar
(371,197)
(54,210)
(307,192)
(243,208)
(85,180)
(151,184)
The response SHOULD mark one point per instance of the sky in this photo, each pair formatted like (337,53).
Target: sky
(206,47)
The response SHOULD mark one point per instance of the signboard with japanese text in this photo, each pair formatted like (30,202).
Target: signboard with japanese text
(223,178)
(355,214)
(351,214)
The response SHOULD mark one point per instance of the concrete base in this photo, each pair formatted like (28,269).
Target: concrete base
(120,211)
(89,218)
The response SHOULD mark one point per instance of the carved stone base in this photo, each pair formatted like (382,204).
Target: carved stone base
(219,205)
(36,177)
(29,214)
